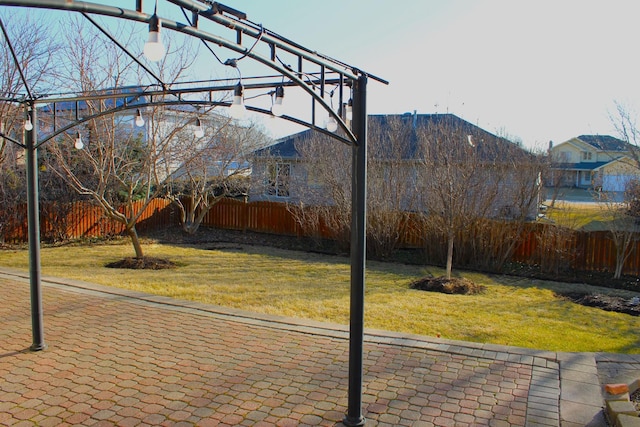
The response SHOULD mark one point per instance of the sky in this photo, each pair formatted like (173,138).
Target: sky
(534,71)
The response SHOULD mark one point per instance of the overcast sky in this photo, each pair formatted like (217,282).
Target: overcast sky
(538,71)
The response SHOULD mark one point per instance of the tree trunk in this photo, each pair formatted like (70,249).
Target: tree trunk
(618,272)
(190,227)
(135,241)
(622,253)
(449,255)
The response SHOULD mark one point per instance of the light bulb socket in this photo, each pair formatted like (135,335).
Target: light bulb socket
(237,108)
(238,91)
(279,93)
(349,110)
(154,24)
(276,108)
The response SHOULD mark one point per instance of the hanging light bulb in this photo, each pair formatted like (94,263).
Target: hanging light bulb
(139,121)
(199,130)
(331,125)
(349,110)
(276,108)
(154,48)
(237,109)
(79,145)
(27,124)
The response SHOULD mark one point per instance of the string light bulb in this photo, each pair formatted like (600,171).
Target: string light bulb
(28,126)
(154,49)
(139,121)
(78,144)
(199,130)
(276,108)
(237,109)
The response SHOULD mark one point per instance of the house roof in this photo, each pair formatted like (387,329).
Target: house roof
(604,142)
(285,147)
(582,166)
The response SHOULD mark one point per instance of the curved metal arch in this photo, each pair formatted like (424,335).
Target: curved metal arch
(116,110)
(131,15)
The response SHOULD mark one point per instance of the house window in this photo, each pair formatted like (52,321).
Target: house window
(564,157)
(278,177)
(586,155)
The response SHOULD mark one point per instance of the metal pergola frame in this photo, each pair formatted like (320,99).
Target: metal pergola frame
(326,71)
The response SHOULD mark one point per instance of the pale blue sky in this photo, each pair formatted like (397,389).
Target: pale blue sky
(540,71)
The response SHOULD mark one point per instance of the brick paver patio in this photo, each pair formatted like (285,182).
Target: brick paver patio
(126,359)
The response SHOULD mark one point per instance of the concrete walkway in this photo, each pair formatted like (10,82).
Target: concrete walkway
(117,357)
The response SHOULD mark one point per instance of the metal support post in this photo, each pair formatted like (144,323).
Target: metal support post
(33,216)
(358,253)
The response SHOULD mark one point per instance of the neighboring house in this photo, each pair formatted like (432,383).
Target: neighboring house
(599,162)
(132,123)
(281,173)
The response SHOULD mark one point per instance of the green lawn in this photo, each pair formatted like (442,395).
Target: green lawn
(576,215)
(513,311)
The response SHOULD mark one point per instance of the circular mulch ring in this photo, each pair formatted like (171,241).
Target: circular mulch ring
(604,302)
(144,263)
(441,284)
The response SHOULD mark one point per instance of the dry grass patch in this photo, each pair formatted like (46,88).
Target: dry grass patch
(513,311)
(575,215)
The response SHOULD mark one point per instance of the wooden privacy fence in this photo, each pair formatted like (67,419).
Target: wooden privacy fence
(264,217)
(551,248)
(68,221)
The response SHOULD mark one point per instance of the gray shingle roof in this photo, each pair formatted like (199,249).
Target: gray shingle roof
(604,142)
(285,147)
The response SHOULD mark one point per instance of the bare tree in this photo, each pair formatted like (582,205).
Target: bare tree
(324,185)
(119,163)
(322,178)
(34,51)
(217,167)
(452,182)
(625,122)
(622,220)
(391,179)
(624,225)
(468,176)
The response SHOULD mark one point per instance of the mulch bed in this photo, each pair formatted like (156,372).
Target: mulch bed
(148,263)
(605,302)
(455,285)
